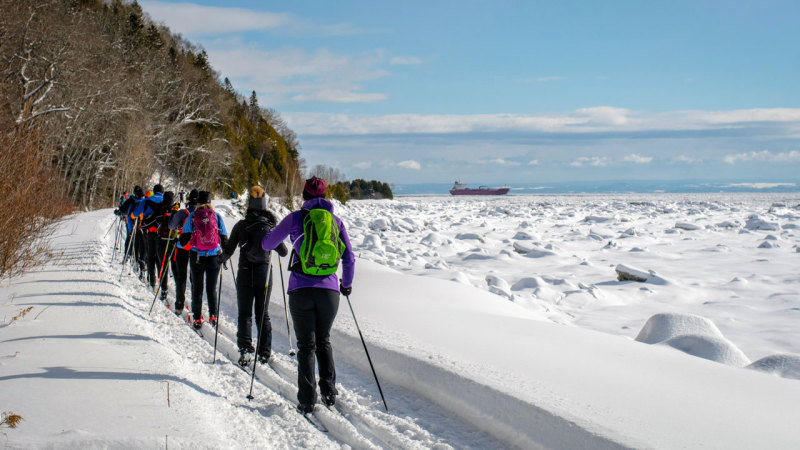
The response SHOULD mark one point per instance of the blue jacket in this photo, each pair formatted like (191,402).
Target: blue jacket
(145,208)
(188,227)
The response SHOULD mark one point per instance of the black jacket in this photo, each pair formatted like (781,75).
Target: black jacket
(248,234)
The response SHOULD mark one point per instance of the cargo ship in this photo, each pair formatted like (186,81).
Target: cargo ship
(462,189)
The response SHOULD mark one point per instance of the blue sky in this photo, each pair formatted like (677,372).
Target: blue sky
(518,91)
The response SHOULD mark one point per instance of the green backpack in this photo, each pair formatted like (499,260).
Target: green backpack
(321,248)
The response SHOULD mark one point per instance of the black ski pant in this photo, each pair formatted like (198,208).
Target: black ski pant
(154,253)
(139,250)
(313,311)
(205,271)
(165,254)
(252,289)
(180,267)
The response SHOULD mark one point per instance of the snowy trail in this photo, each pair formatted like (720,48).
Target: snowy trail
(461,367)
(208,405)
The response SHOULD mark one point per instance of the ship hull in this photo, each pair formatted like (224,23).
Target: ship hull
(500,191)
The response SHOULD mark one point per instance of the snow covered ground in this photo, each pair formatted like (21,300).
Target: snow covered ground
(492,323)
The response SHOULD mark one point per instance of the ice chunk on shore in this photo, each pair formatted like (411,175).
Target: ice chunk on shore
(532,251)
(629,273)
(687,226)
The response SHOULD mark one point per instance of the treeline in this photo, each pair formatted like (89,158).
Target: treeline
(362,189)
(117,100)
(345,190)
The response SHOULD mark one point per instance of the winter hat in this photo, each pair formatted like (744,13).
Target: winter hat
(158,188)
(193,197)
(257,199)
(148,194)
(168,200)
(138,192)
(204,197)
(315,187)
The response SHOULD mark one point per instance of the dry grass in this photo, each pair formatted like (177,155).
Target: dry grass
(31,202)
(10,420)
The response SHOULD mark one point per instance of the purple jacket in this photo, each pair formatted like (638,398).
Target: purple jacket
(292,226)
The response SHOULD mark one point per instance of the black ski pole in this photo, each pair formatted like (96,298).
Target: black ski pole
(216,325)
(367,352)
(286,308)
(130,244)
(260,327)
(117,237)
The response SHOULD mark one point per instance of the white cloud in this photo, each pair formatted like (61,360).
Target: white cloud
(533,162)
(499,161)
(190,18)
(764,156)
(410,164)
(544,79)
(601,119)
(296,75)
(596,161)
(685,159)
(363,165)
(404,61)
(638,159)
(339,96)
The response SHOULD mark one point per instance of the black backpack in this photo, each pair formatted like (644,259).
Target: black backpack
(252,250)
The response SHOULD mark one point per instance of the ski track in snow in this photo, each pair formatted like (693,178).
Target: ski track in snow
(217,392)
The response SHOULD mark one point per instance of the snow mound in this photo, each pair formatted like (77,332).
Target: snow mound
(380,224)
(712,348)
(499,286)
(524,236)
(470,236)
(665,326)
(784,365)
(755,222)
(373,242)
(434,240)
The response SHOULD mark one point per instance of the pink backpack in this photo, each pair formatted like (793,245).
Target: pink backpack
(206,235)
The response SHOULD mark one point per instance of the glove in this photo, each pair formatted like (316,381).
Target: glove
(116,211)
(223,257)
(345,290)
(281,249)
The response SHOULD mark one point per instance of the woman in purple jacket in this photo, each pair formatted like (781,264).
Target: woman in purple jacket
(313,301)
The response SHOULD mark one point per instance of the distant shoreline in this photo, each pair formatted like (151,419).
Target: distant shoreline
(616,187)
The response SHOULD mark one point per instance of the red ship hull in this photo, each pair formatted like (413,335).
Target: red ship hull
(500,191)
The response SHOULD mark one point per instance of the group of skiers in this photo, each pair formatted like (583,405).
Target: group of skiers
(160,232)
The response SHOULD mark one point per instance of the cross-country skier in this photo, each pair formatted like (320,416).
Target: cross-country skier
(254,279)
(127,209)
(150,212)
(166,242)
(181,259)
(205,231)
(314,299)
